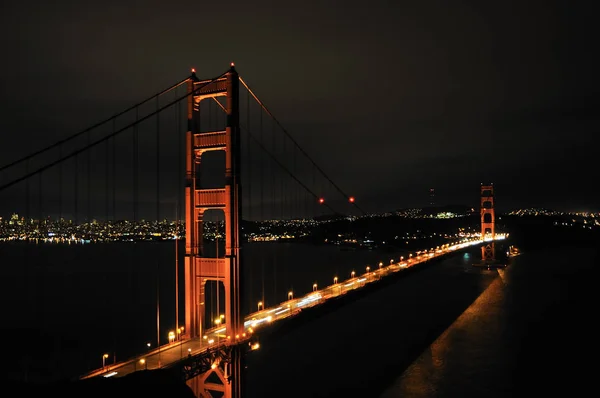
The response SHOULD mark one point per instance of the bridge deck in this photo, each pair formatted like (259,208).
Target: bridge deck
(173,352)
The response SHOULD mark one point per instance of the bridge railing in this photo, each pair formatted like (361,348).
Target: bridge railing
(215,336)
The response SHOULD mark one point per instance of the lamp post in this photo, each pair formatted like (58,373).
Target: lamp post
(143,363)
(260,305)
(352,274)
(335,282)
(314,287)
(290,295)
(104,360)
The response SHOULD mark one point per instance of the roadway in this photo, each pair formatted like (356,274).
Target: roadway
(176,350)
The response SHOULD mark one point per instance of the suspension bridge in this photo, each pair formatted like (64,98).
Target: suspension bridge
(185,153)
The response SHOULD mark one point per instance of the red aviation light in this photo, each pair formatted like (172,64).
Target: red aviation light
(321,200)
(193,70)
(351,199)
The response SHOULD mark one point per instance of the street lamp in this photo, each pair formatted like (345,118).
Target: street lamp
(143,363)
(260,305)
(104,360)
(314,287)
(352,274)
(171,336)
(290,295)
(335,280)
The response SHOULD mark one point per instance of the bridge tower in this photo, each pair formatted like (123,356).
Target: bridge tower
(487,222)
(225,377)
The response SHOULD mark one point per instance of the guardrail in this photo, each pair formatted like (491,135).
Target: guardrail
(294,305)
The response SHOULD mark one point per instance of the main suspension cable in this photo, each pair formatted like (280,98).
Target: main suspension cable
(297,145)
(101,140)
(73,136)
(287,170)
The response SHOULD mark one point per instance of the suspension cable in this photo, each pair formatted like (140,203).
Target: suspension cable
(114,170)
(262,204)
(60,184)
(157,164)
(287,170)
(284,168)
(101,140)
(273,199)
(135,166)
(106,169)
(75,189)
(297,145)
(249,175)
(89,182)
(73,136)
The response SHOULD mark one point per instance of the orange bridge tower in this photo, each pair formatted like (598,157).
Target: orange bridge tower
(488,217)
(224,377)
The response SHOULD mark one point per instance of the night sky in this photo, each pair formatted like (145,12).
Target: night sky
(390,98)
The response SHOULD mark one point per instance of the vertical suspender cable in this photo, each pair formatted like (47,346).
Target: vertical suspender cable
(274,257)
(114,170)
(294,186)
(89,180)
(262,204)
(114,187)
(135,166)
(106,169)
(157,225)
(249,272)
(40,205)
(178,179)
(283,201)
(75,192)
(157,163)
(283,180)
(60,193)
(134,286)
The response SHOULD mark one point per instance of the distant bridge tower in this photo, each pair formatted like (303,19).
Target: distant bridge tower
(226,377)
(488,217)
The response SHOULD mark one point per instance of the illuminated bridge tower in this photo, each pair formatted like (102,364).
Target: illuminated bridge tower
(225,377)
(487,222)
